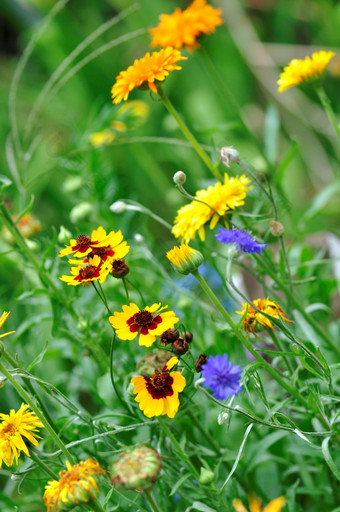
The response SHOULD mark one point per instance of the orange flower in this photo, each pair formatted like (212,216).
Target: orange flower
(182,28)
(145,72)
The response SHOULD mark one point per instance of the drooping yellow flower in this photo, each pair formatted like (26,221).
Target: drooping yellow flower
(96,270)
(304,71)
(183,28)
(184,259)
(103,138)
(253,319)
(145,72)
(13,427)
(218,199)
(78,484)
(148,323)
(3,319)
(158,394)
(255,505)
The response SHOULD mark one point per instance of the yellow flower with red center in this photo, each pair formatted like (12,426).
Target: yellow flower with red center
(146,72)
(304,71)
(158,395)
(253,319)
(78,484)
(148,323)
(13,427)
(255,505)
(95,271)
(3,319)
(218,199)
(100,244)
(183,28)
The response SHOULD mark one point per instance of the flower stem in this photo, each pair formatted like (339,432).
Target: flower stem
(42,465)
(150,499)
(187,133)
(126,290)
(38,413)
(328,108)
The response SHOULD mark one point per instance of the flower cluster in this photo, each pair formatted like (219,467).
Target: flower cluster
(253,320)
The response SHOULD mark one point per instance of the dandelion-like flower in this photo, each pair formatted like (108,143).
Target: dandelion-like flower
(148,323)
(3,319)
(308,70)
(255,505)
(253,320)
(13,428)
(218,199)
(242,239)
(158,395)
(146,72)
(95,271)
(184,259)
(183,28)
(77,485)
(221,376)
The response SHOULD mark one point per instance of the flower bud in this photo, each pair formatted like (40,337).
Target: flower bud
(180,177)
(188,336)
(180,347)
(222,418)
(136,469)
(118,207)
(276,228)
(200,361)
(80,212)
(206,476)
(119,268)
(184,259)
(64,236)
(229,155)
(169,336)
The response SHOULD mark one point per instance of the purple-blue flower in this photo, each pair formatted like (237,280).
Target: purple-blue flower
(243,239)
(221,376)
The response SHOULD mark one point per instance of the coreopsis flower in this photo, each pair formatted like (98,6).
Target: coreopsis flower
(244,241)
(77,485)
(95,271)
(3,319)
(158,395)
(218,199)
(184,259)
(183,28)
(253,320)
(136,469)
(147,323)
(146,72)
(221,376)
(13,428)
(255,505)
(98,244)
(306,71)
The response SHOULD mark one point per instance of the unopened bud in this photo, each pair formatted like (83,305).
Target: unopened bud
(276,228)
(180,347)
(188,336)
(118,207)
(206,476)
(64,236)
(169,336)
(136,469)
(139,238)
(222,418)
(229,155)
(200,361)
(119,268)
(80,212)
(180,177)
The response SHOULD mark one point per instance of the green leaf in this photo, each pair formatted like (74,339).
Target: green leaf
(38,358)
(328,458)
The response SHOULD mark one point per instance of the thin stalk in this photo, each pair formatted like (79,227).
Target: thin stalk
(320,91)
(42,465)
(187,133)
(126,290)
(150,499)
(101,295)
(278,344)
(37,412)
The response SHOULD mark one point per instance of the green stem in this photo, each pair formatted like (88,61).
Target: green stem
(126,290)
(150,499)
(187,133)
(328,108)
(42,464)
(279,345)
(38,413)
(246,343)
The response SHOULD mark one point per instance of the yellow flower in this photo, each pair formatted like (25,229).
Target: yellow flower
(145,72)
(184,259)
(95,271)
(77,485)
(304,71)
(99,244)
(3,319)
(182,28)
(221,197)
(102,138)
(256,506)
(148,322)
(13,427)
(158,394)
(253,317)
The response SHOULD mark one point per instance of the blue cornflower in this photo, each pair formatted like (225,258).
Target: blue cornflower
(241,238)
(221,376)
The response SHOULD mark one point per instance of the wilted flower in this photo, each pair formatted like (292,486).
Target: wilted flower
(253,320)
(255,505)
(136,469)
(229,155)
(221,376)
(184,259)
(119,268)
(13,427)
(154,360)
(180,346)
(3,319)
(158,394)
(145,72)
(241,238)
(200,361)
(276,228)
(309,70)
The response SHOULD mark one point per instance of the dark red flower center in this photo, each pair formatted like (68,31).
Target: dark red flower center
(88,272)
(143,318)
(83,240)
(159,385)
(84,243)
(145,321)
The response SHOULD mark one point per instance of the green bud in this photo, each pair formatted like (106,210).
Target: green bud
(206,476)
(80,212)
(136,469)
